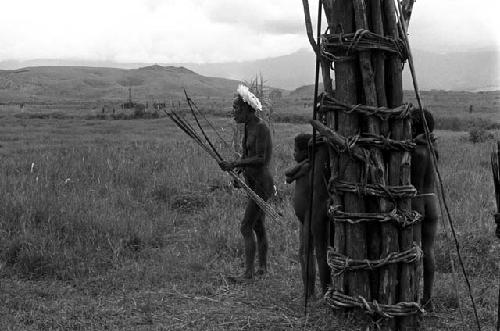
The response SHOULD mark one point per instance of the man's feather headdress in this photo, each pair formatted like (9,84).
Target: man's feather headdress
(249,97)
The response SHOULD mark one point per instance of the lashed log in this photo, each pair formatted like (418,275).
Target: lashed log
(338,141)
(399,171)
(379,59)
(341,17)
(388,287)
(388,276)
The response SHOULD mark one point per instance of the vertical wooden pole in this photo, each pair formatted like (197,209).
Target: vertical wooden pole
(350,236)
(339,15)
(379,58)
(387,275)
(385,291)
(373,127)
(399,167)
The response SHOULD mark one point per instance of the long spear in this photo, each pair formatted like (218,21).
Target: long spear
(309,246)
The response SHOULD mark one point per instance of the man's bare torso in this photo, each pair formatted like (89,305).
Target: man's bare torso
(257,150)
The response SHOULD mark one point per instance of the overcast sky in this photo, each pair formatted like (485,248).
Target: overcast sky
(163,31)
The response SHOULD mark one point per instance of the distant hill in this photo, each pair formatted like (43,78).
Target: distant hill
(460,71)
(463,71)
(287,72)
(276,71)
(303,92)
(93,84)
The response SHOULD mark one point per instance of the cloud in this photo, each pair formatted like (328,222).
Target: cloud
(455,24)
(284,27)
(270,17)
(207,30)
(147,31)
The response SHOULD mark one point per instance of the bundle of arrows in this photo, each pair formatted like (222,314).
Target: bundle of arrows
(206,144)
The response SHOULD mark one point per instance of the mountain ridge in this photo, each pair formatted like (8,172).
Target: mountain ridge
(464,71)
(469,70)
(69,83)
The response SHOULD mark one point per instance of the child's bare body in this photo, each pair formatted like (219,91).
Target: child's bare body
(300,174)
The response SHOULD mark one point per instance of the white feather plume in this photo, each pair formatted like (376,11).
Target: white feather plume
(249,97)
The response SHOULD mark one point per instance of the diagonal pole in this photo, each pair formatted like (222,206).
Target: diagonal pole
(313,154)
(193,104)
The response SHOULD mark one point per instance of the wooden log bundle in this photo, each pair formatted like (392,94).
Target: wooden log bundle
(370,75)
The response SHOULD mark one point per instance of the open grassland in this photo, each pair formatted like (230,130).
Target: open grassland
(128,225)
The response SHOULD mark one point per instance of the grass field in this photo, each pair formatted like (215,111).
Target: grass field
(452,109)
(125,225)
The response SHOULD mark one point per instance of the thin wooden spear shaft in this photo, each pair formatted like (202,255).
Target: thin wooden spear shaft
(311,197)
(185,127)
(191,102)
(201,128)
(182,125)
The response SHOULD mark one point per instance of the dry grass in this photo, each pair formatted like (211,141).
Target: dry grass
(451,108)
(141,236)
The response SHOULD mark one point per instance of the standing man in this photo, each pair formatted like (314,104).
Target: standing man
(423,177)
(255,160)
